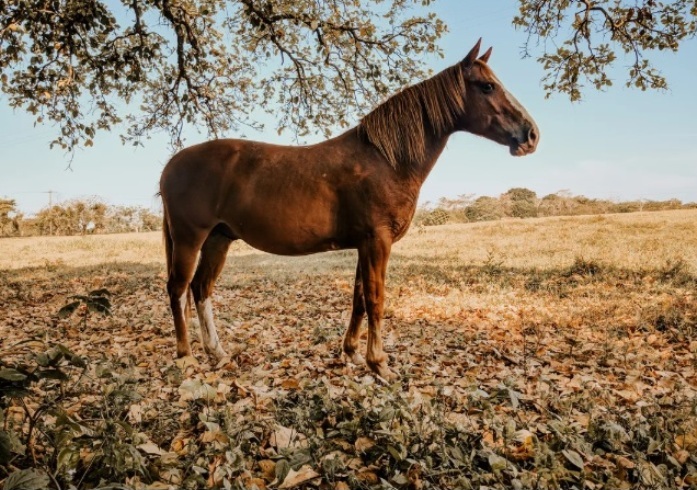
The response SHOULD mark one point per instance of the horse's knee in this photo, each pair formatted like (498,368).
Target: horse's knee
(196,290)
(201,287)
(175,289)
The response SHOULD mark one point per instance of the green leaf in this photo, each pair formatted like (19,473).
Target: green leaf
(72,358)
(396,453)
(31,479)
(5,446)
(100,292)
(497,463)
(574,458)
(68,309)
(80,297)
(282,469)
(68,457)
(10,374)
(42,359)
(13,392)
(99,304)
(52,374)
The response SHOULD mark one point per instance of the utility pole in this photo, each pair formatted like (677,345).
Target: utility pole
(50,204)
(50,196)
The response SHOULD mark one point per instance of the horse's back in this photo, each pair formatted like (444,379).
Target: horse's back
(280,199)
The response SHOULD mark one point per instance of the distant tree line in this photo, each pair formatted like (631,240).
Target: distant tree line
(93,216)
(76,217)
(520,202)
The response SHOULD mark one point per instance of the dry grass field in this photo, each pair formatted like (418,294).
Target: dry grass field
(540,353)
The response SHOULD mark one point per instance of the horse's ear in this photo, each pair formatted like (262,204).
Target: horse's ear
(472,55)
(485,56)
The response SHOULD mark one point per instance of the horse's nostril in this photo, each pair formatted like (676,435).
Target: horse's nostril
(532,135)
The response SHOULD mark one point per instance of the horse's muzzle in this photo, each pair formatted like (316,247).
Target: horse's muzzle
(527,143)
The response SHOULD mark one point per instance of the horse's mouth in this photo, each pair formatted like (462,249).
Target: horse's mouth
(522,149)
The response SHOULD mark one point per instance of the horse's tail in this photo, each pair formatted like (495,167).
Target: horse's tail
(167,237)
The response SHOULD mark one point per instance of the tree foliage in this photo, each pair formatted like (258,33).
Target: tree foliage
(76,217)
(160,65)
(206,63)
(593,32)
(10,217)
(520,202)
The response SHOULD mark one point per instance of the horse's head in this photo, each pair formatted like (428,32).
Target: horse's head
(491,111)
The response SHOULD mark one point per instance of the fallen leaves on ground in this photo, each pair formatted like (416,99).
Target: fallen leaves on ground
(509,378)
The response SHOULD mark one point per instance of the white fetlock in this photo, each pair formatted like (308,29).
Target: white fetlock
(217,353)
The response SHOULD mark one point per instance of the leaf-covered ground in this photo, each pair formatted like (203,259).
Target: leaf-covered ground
(556,353)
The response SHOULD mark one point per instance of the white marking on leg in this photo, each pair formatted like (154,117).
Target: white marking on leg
(191,322)
(208,331)
(182,303)
(183,346)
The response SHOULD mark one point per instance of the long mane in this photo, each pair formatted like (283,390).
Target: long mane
(397,127)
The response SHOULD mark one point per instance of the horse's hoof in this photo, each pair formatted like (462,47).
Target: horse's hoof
(218,354)
(222,362)
(186,361)
(355,358)
(184,352)
(384,372)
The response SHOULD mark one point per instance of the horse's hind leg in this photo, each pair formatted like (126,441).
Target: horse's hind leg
(210,265)
(180,274)
(357,314)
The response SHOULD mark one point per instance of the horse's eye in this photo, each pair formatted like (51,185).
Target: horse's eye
(487,88)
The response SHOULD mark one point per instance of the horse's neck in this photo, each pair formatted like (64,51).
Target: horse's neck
(435,144)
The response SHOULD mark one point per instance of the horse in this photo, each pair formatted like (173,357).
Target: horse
(358,190)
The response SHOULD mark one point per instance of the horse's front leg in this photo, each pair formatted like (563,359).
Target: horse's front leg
(373,255)
(357,314)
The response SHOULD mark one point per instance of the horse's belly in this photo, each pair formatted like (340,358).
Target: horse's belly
(281,232)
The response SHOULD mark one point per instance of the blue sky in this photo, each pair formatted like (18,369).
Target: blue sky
(620,144)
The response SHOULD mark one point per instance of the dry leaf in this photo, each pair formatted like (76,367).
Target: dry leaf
(268,469)
(290,384)
(682,456)
(687,441)
(151,448)
(368,477)
(295,478)
(623,462)
(284,437)
(135,413)
(363,444)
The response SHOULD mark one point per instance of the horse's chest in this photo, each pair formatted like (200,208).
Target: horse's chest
(399,227)
(400,220)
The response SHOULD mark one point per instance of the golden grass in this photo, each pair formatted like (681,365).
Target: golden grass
(636,240)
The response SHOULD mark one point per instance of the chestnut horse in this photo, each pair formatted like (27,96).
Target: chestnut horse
(358,191)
